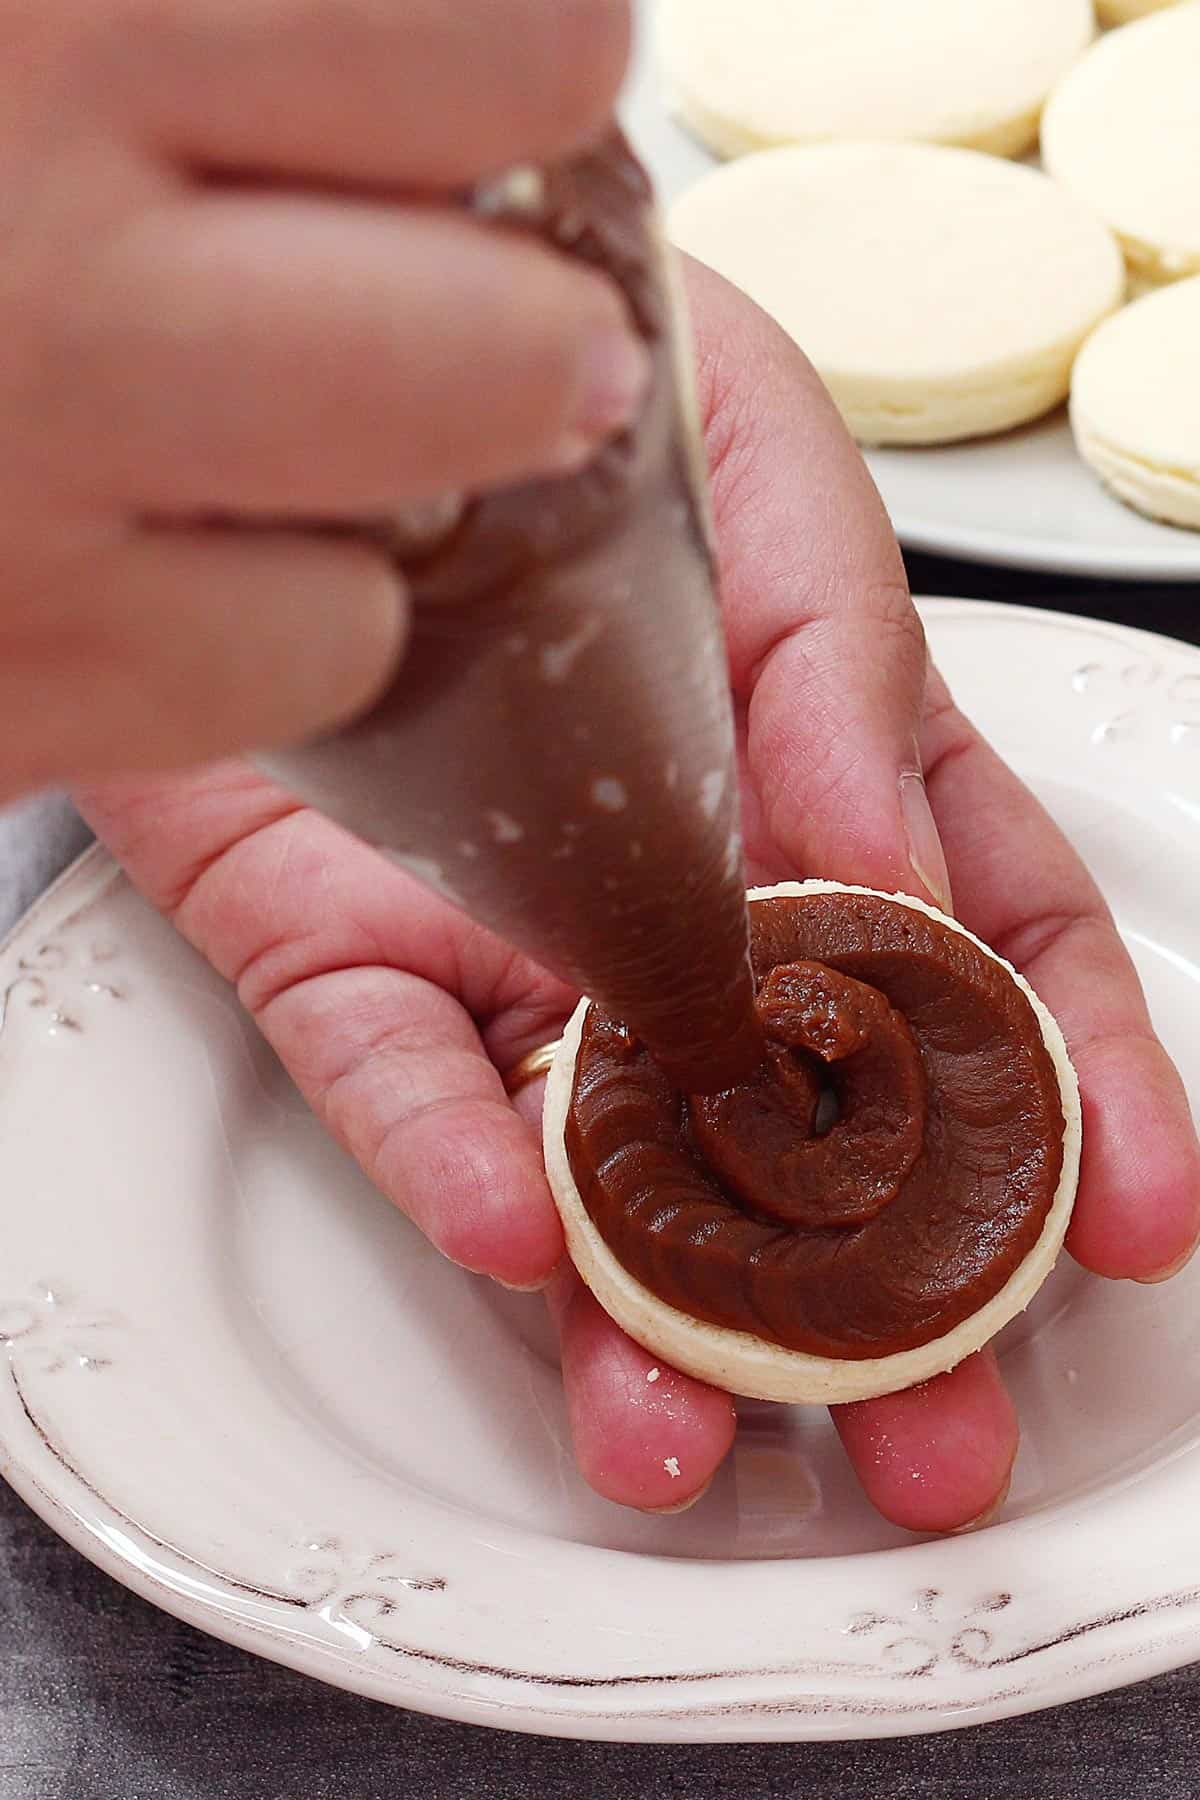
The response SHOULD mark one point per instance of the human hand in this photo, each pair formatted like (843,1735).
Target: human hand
(395,1015)
(215,306)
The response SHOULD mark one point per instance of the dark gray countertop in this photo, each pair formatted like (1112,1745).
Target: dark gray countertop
(102,1698)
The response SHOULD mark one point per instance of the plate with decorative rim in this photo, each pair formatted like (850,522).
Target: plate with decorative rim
(236,1379)
(1024,499)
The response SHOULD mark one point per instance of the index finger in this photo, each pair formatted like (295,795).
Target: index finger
(406,93)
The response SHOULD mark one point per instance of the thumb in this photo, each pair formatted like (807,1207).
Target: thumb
(832,753)
(827,653)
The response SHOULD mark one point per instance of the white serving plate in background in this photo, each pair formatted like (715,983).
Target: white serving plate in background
(1024,499)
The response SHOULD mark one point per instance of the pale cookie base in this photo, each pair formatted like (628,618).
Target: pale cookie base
(940,294)
(1122,131)
(751,74)
(743,1364)
(1135,404)
(727,138)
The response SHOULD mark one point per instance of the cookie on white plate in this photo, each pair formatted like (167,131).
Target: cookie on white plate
(948,1225)
(748,74)
(1135,404)
(940,293)
(1122,130)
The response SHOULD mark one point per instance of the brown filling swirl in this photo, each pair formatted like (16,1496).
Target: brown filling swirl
(878,1178)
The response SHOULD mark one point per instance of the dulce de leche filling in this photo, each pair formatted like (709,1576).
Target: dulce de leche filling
(880,1176)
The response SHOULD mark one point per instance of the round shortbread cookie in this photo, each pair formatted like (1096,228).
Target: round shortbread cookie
(941,294)
(1122,12)
(1135,404)
(744,1364)
(1122,130)
(749,74)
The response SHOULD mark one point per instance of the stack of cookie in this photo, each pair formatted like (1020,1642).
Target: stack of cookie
(943,292)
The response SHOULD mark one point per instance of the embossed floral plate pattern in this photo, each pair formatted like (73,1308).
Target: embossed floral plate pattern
(1024,498)
(233,1376)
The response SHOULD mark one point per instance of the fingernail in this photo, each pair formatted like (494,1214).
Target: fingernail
(988,1513)
(925,853)
(613,380)
(680,1506)
(530,1287)
(1181,1262)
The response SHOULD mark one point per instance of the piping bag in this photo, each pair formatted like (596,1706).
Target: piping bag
(555,754)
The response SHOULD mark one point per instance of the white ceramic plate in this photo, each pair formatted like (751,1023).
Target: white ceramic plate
(1024,499)
(236,1379)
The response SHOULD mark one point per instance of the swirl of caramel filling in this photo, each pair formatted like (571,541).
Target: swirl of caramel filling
(876,1180)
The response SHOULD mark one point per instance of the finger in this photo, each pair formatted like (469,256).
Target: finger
(361,981)
(394,1068)
(1023,889)
(938,1456)
(644,1435)
(167,647)
(826,649)
(299,356)
(401,93)
(272,893)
